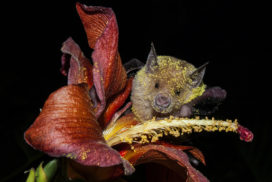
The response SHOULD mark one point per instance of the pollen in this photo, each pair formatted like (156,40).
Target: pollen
(71,156)
(128,140)
(84,154)
(174,132)
(153,130)
(144,139)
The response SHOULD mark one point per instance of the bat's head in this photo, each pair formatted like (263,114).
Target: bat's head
(166,83)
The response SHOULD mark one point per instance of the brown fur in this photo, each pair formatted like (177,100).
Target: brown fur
(168,76)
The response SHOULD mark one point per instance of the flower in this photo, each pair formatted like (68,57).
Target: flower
(81,121)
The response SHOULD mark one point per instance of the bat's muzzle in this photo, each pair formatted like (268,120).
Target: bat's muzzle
(162,101)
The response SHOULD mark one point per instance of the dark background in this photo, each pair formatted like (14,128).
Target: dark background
(231,35)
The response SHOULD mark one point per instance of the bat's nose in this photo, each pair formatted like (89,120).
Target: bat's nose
(162,100)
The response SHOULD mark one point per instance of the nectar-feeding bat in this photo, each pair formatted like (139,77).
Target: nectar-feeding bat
(164,86)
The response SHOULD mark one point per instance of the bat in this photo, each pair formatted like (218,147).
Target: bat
(165,87)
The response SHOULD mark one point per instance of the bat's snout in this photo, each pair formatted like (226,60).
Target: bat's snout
(163,101)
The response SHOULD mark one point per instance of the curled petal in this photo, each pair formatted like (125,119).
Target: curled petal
(67,127)
(193,150)
(173,158)
(102,32)
(116,102)
(94,20)
(197,154)
(80,68)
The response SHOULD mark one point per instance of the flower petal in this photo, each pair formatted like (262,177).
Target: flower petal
(121,125)
(67,127)
(80,68)
(193,150)
(102,32)
(197,154)
(173,158)
(116,102)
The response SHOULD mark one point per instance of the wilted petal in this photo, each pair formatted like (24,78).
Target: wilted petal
(80,68)
(102,32)
(67,127)
(172,158)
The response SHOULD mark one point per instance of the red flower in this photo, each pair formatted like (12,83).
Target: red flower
(78,121)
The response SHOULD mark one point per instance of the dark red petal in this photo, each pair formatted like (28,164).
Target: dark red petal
(80,70)
(193,150)
(102,32)
(198,155)
(94,20)
(173,158)
(116,102)
(67,127)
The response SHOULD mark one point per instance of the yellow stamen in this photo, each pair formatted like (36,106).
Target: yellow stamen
(151,131)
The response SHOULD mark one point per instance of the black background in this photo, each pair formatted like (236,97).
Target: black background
(232,36)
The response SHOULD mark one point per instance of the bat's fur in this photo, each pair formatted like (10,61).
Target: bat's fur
(176,79)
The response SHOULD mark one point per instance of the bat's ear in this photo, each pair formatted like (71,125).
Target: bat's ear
(198,74)
(152,59)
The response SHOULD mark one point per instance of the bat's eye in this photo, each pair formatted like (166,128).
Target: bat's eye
(157,85)
(177,92)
